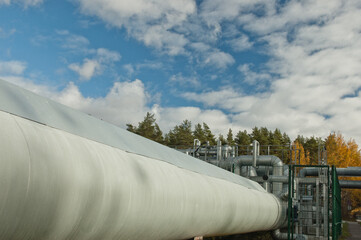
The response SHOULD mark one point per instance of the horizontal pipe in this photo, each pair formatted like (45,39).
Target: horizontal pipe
(349,171)
(350,184)
(66,175)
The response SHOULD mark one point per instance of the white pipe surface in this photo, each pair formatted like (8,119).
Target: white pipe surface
(59,185)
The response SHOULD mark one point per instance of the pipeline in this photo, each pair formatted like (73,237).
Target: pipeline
(349,171)
(350,184)
(67,175)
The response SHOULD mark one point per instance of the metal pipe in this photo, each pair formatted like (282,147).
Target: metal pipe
(67,175)
(255,152)
(349,171)
(350,184)
(280,235)
(275,162)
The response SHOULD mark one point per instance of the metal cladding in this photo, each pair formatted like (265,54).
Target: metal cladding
(67,175)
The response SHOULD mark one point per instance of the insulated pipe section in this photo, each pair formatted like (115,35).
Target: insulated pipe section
(262,160)
(255,152)
(350,171)
(57,185)
(350,184)
(275,162)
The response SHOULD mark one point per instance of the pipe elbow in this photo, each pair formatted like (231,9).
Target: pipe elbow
(276,162)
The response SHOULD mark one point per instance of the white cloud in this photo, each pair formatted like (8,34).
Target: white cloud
(151,22)
(241,43)
(12,67)
(184,81)
(106,55)
(132,69)
(92,67)
(126,102)
(87,70)
(254,78)
(219,59)
(169,117)
(25,3)
(315,55)
(6,2)
(311,76)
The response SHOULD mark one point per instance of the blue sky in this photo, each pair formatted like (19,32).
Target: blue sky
(292,65)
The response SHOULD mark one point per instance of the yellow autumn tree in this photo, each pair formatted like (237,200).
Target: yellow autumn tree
(344,154)
(298,154)
(341,153)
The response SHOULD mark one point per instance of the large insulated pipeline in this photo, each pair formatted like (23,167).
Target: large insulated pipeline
(67,175)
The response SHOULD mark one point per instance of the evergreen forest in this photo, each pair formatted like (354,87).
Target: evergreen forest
(306,150)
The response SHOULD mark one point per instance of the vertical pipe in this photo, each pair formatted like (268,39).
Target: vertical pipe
(325,209)
(255,152)
(317,207)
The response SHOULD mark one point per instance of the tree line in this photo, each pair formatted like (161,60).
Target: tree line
(183,135)
(302,150)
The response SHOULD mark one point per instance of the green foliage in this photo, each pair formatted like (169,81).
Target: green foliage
(345,232)
(148,128)
(243,138)
(181,135)
(311,146)
(199,133)
(230,140)
(222,139)
(209,135)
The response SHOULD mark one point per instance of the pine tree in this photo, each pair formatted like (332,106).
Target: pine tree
(148,128)
(230,140)
(131,128)
(222,139)
(199,133)
(276,138)
(181,135)
(311,147)
(209,135)
(243,138)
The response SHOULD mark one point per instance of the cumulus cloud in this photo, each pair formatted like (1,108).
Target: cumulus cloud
(310,75)
(12,67)
(87,70)
(95,62)
(218,59)
(240,43)
(151,22)
(125,102)
(254,78)
(315,57)
(95,66)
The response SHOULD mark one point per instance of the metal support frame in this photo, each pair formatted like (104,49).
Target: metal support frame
(312,198)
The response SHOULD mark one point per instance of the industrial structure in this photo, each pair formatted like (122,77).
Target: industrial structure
(67,175)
